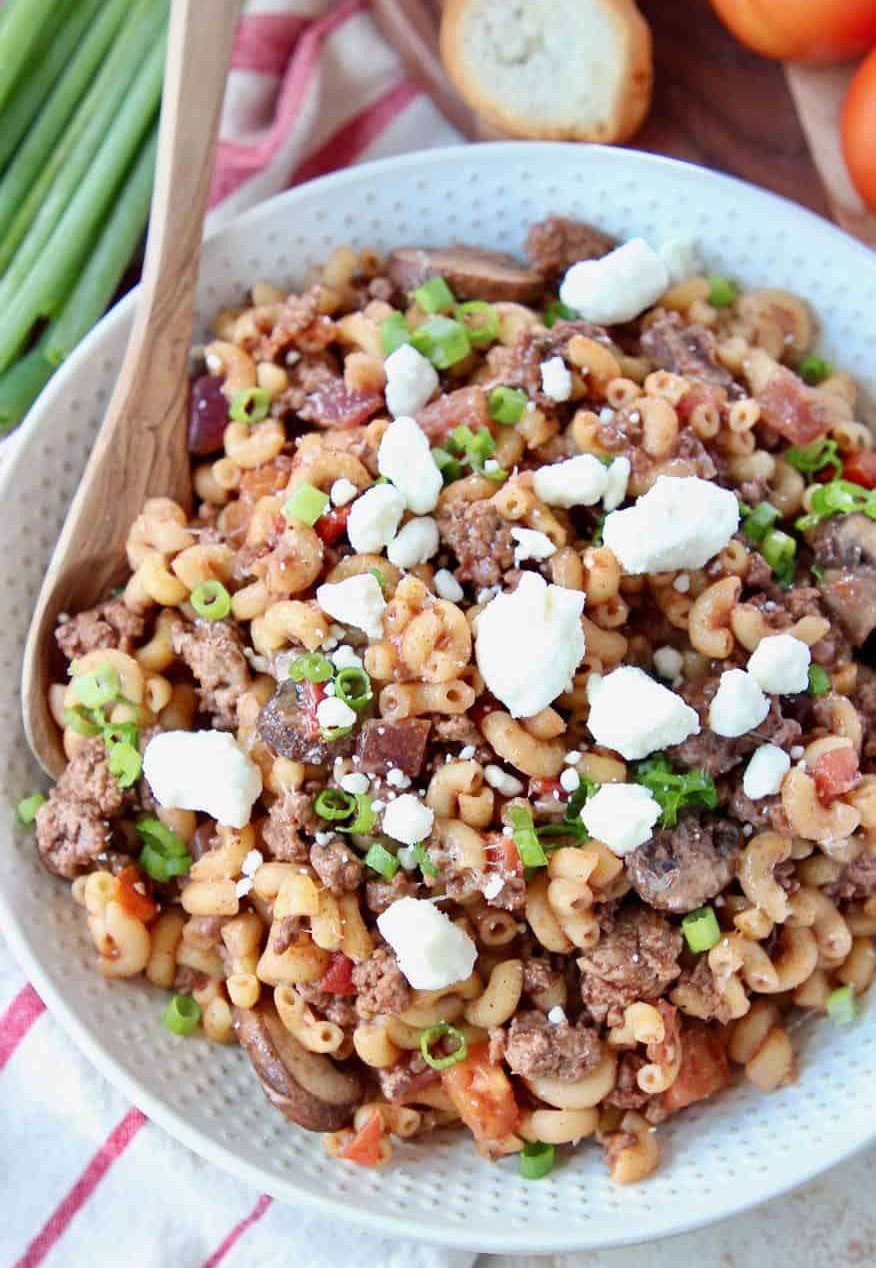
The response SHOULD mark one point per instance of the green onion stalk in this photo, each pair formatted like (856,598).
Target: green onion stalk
(21,30)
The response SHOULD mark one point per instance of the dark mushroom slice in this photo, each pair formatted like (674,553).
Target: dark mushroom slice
(845,548)
(469,272)
(682,868)
(288,724)
(306,1087)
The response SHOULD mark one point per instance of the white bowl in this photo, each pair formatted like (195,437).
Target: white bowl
(717,1158)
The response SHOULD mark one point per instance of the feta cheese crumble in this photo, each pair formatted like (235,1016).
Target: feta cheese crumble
(636,716)
(570,780)
(529,644)
(681,259)
(342,492)
(355,783)
(207,771)
(416,542)
(764,773)
(669,663)
(780,664)
(345,658)
(556,379)
(410,380)
(681,522)
(578,481)
(617,477)
(621,816)
(432,951)
(356,601)
(374,518)
(492,886)
(447,587)
(332,712)
(507,785)
(407,820)
(617,287)
(556,1015)
(531,545)
(405,458)
(738,705)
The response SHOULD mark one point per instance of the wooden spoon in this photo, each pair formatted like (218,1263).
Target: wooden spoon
(140,451)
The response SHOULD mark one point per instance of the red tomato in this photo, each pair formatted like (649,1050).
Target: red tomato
(836,772)
(482,1096)
(859,129)
(700,394)
(860,468)
(502,855)
(133,895)
(544,787)
(332,525)
(338,977)
(703,1070)
(364,1147)
(802,30)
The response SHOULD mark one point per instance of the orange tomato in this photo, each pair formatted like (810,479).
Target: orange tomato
(836,772)
(364,1147)
(860,468)
(859,129)
(133,895)
(703,1069)
(802,30)
(482,1096)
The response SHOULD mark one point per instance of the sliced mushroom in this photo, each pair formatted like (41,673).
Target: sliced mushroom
(470,273)
(845,547)
(309,1089)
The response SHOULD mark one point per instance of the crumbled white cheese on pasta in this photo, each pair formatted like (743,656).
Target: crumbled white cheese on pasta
(738,706)
(681,259)
(617,287)
(621,816)
(556,1015)
(681,584)
(617,478)
(356,601)
(570,780)
(397,778)
(529,644)
(251,863)
(206,771)
(780,664)
(374,518)
(447,587)
(416,542)
(636,716)
(332,712)
(764,773)
(556,379)
(407,819)
(346,658)
(342,492)
(578,481)
(405,458)
(507,785)
(681,522)
(531,544)
(432,951)
(410,380)
(669,663)
(493,886)
(355,782)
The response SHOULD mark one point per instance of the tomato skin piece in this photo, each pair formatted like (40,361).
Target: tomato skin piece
(703,1072)
(503,855)
(338,977)
(544,786)
(836,772)
(801,30)
(858,129)
(860,468)
(364,1148)
(482,1096)
(136,904)
(332,525)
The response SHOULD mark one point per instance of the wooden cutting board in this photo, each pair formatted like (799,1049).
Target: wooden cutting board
(715,103)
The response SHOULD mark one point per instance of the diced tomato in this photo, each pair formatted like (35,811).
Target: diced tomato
(467,407)
(543,787)
(134,896)
(364,1147)
(700,394)
(502,855)
(338,977)
(704,1070)
(860,468)
(332,525)
(836,772)
(482,1096)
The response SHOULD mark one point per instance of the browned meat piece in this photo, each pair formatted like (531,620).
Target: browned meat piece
(109,625)
(540,982)
(626,1093)
(384,745)
(336,405)
(845,548)
(516,366)
(466,407)
(288,817)
(623,431)
(533,1046)
(338,1009)
(72,827)
(401,1082)
(288,724)
(856,881)
(555,244)
(480,539)
(298,324)
(213,651)
(766,812)
(636,958)
(455,728)
(681,868)
(382,989)
(717,754)
(471,273)
(336,866)
(286,932)
(686,350)
(865,702)
(794,410)
(87,780)
(696,993)
(382,894)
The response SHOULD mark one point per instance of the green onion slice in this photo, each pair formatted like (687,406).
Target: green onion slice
(841,1005)
(451,468)
(211,600)
(814,370)
(393,333)
(306,505)
(722,292)
(758,520)
(97,688)
(182,1015)
(480,320)
(334,804)
(435,296)
(537,1160)
(839,497)
(819,681)
(364,818)
(701,929)
(162,867)
(780,551)
(528,845)
(556,311)
(153,832)
(120,733)
(250,405)
(815,457)
(77,721)
(439,1031)
(443,341)
(125,763)
(672,790)
(353,686)
(163,855)
(381,861)
(312,666)
(507,405)
(27,808)
(425,864)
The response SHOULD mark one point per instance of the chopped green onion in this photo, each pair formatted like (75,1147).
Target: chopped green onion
(98,687)
(672,790)
(156,834)
(838,497)
(306,505)
(125,763)
(182,1015)
(758,520)
(76,720)
(537,1160)
(780,551)
(250,405)
(819,681)
(443,341)
(701,929)
(353,686)
(556,311)
(162,867)
(211,600)
(332,733)
(597,539)
(480,320)
(393,333)
(817,573)
(120,733)
(378,577)
(364,819)
(507,405)
(451,468)
(435,296)
(814,370)
(722,292)
(312,666)
(813,458)
(841,1005)
(334,804)
(425,864)
(381,861)
(27,808)
(431,1036)
(528,845)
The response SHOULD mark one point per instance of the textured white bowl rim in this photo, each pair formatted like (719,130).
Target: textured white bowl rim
(389,1223)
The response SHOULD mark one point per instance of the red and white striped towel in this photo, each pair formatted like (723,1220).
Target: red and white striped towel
(83,1175)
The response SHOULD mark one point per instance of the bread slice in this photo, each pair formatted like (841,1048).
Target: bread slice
(561,70)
